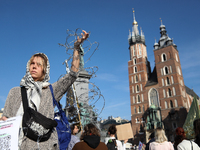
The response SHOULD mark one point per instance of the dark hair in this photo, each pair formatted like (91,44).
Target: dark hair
(152,135)
(112,129)
(72,127)
(196,125)
(90,129)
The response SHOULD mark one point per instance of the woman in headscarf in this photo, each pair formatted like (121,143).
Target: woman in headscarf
(39,95)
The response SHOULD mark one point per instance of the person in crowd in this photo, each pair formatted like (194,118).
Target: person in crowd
(196,125)
(90,139)
(112,130)
(151,139)
(74,138)
(161,141)
(39,95)
(181,143)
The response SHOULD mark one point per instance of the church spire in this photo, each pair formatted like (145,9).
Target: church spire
(134,36)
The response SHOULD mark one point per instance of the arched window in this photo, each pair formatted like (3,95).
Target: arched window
(169,92)
(153,96)
(168,82)
(138,98)
(135,110)
(139,109)
(166,70)
(136,78)
(134,60)
(139,77)
(164,95)
(171,104)
(176,57)
(172,79)
(135,69)
(176,104)
(164,57)
(140,51)
(137,87)
(174,91)
(166,104)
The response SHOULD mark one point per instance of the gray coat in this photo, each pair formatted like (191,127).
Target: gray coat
(14,100)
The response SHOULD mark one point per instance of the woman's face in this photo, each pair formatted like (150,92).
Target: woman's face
(36,68)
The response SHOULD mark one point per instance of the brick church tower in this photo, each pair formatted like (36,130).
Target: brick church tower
(163,87)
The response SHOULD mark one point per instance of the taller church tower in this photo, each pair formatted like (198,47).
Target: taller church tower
(157,97)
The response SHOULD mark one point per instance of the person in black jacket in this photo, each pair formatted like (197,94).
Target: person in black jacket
(151,139)
(196,125)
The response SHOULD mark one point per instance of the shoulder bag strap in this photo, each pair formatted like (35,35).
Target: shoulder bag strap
(24,98)
(191,145)
(54,100)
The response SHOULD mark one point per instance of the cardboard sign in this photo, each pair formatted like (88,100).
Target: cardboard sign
(124,131)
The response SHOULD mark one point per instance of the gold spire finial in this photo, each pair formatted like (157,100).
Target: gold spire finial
(133,10)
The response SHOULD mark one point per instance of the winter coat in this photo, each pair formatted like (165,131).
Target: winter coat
(46,108)
(90,142)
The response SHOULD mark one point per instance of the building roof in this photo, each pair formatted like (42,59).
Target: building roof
(191,92)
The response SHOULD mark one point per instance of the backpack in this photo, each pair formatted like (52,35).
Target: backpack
(63,128)
(112,144)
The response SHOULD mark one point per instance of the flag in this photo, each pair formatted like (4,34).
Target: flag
(191,116)
(140,145)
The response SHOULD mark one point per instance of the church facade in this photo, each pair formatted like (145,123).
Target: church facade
(163,87)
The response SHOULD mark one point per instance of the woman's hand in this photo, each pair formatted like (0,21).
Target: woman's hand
(3,118)
(84,36)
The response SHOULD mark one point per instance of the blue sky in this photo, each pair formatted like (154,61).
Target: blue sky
(27,27)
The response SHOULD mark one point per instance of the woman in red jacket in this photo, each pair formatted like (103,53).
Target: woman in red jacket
(90,139)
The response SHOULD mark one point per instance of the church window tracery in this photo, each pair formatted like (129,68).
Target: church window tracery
(138,98)
(163,57)
(153,97)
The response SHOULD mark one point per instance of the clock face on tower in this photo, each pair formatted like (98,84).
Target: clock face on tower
(154,97)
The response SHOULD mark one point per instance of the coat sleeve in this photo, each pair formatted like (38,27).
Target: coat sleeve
(62,85)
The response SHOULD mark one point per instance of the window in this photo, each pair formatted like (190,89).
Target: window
(164,95)
(137,88)
(169,92)
(172,79)
(168,82)
(142,97)
(139,109)
(176,57)
(134,51)
(138,98)
(134,60)
(171,104)
(135,69)
(139,77)
(178,70)
(132,89)
(141,87)
(174,91)
(135,110)
(143,108)
(136,78)
(176,104)
(140,51)
(153,96)
(163,84)
(166,104)
(132,80)
(166,70)
(163,57)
